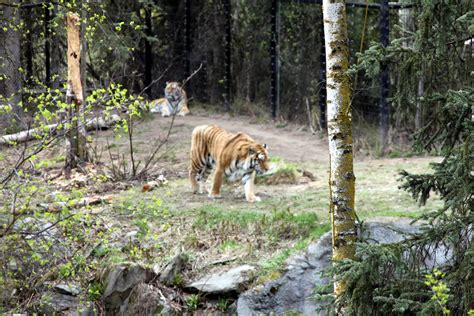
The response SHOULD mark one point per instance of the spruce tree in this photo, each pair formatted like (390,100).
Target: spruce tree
(402,278)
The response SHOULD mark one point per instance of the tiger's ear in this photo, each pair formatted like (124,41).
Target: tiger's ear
(265,146)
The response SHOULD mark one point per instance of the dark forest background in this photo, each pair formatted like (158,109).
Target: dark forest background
(143,44)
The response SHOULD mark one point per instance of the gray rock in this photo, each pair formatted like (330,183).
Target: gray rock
(57,302)
(294,291)
(119,282)
(53,303)
(68,289)
(172,269)
(145,300)
(228,281)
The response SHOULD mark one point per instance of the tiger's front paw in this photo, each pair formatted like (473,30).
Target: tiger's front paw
(254,199)
(214,196)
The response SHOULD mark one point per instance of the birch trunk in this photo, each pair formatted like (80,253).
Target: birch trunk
(339,120)
(76,142)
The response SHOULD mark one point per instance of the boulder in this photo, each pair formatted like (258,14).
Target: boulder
(168,275)
(294,290)
(233,280)
(145,300)
(119,282)
(72,289)
(54,303)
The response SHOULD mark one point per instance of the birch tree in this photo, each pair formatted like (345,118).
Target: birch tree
(342,179)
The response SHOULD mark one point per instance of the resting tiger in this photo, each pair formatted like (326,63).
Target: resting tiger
(237,156)
(175,101)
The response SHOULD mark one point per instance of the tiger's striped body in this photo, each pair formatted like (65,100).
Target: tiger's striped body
(236,156)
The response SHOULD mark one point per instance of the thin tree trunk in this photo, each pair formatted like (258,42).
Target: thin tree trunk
(10,59)
(47,46)
(84,48)
(342,179)
(406,19)
(148,53)
(419,105)
(76,141)
(55,52)
(27,46)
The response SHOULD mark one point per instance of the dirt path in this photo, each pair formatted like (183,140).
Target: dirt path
(291,142)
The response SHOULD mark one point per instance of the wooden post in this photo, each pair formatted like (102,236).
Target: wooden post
(76,141)
(339,120)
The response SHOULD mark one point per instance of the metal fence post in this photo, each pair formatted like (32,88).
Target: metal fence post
(384,107)
(275,57)
(228,56)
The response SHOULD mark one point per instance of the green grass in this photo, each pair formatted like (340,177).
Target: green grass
(288,219)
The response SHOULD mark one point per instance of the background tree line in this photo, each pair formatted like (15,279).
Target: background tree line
(143,44)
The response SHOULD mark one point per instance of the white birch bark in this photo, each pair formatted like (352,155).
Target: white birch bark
(342,179)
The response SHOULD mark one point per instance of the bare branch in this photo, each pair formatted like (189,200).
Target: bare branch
(192,75)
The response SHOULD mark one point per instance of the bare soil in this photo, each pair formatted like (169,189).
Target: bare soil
(291,142)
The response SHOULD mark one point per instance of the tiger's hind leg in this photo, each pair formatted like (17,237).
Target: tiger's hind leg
(199,178)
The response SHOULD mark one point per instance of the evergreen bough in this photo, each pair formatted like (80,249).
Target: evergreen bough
(397,279)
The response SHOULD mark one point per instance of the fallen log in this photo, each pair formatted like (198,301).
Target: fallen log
(97,123)
(87,201)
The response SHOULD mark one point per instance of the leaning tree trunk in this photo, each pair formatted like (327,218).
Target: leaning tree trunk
(76,141)
(342,179)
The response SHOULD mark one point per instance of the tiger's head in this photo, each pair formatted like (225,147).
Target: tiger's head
(173,91)
(258,158)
